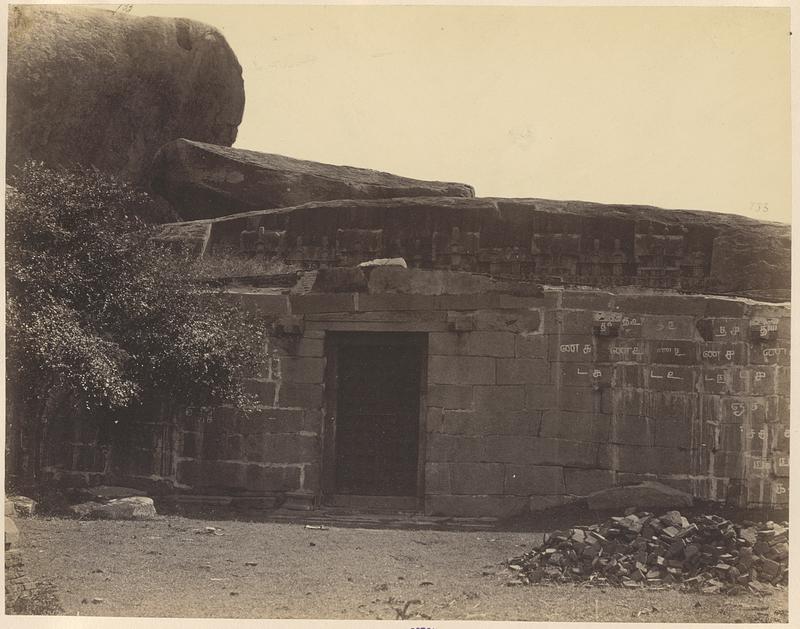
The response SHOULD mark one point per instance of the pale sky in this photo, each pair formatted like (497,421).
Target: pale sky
(675,107)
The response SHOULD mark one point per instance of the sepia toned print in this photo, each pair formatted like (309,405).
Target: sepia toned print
(247,382)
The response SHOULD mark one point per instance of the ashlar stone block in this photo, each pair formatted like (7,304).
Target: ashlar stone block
(582,482)
(476,478)
(526,480)
(530,346)
(476,506)
(461,370)
(437,478)
(668,327)
(304,370)
(522,371)
(450,396)
(575,426)
(499,399)
(541,396)
(491,343)
(571,348)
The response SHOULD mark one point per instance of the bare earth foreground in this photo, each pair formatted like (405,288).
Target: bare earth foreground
(165,568)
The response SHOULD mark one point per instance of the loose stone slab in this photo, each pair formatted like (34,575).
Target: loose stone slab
(642,495)
(133,508)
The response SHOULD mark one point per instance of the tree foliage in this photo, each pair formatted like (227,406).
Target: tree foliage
(100,311)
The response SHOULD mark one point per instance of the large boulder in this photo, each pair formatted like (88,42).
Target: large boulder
(206,181)
(105,88)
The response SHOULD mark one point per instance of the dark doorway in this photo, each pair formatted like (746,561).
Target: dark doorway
(372,439)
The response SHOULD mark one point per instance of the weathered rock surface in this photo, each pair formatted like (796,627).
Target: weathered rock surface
(645,495)
(551,242)
(205,181)
(133,508)
(107,89)
(733,254)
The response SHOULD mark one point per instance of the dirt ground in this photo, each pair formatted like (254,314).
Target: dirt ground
(284,570)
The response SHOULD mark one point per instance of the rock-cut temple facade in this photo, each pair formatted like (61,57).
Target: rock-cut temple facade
(429,351)
(450,355)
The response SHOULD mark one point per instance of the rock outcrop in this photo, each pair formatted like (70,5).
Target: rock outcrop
(205,181)
(104,88)
(550,242)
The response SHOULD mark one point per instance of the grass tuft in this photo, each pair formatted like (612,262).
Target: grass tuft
(42,600)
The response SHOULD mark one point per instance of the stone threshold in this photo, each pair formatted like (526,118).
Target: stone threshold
(266,509)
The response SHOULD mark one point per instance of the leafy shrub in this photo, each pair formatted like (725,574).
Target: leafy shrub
(100,315)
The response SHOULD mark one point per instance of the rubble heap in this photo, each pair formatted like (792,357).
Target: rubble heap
(707,553)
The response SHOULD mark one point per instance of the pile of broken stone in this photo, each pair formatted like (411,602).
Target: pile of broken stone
(706,553)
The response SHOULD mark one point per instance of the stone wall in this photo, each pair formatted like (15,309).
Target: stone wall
(609,391)
(533,396)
